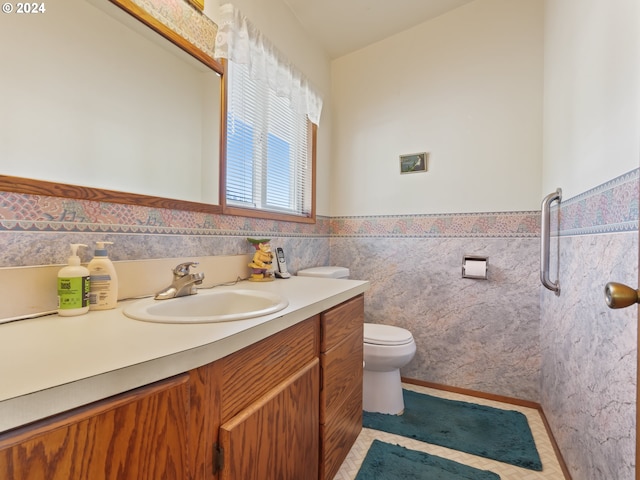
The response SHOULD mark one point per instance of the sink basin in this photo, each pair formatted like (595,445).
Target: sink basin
(208,307)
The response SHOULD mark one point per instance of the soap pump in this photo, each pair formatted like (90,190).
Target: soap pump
(73,286)
(104,280)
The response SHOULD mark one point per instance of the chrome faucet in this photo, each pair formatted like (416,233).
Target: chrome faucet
(184,282)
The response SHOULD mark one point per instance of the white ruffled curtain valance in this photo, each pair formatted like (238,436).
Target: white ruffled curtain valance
(241,42)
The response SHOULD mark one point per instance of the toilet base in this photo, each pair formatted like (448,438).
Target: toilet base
(382,392)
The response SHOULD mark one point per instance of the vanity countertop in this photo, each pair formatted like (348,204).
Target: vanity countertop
(51,364)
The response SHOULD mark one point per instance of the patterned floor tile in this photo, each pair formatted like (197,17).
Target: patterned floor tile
(551,466)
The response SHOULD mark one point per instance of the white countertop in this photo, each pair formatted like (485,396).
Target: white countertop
(52,364)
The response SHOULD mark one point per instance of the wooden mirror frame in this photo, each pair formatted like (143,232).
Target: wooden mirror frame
(10,183)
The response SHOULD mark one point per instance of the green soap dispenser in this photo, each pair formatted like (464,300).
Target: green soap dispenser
(104,280)
(73,286)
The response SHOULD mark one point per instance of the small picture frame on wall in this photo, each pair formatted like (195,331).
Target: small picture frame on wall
(414,163)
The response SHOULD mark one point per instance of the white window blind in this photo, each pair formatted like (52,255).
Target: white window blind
(268,164)
(270,111)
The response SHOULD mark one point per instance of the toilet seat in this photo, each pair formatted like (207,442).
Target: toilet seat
(376,334)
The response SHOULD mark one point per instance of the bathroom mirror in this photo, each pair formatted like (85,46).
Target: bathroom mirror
(97,105)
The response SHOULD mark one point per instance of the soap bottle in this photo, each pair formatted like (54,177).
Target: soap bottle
(73,286)
(104,280)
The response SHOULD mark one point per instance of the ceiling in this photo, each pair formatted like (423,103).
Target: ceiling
(343,26)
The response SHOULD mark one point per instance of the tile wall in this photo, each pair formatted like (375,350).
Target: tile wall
(476,334)
(589,352)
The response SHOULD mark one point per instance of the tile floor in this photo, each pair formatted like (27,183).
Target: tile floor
(551,466)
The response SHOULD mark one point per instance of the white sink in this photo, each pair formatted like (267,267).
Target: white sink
(208,307)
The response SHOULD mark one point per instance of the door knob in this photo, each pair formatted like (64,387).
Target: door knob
(618,295)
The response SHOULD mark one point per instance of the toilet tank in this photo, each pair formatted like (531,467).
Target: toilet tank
(325,272)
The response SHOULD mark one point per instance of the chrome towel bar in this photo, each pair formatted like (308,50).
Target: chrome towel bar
(545,236)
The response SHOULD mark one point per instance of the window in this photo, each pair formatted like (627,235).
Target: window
(272,113)
(269,145)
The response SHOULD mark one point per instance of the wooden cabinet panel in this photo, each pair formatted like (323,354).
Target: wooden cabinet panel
(341,374)
(251,372)
(339,434)
(340,321)
(204,416)
(276,438)
(341,348)
(137,435)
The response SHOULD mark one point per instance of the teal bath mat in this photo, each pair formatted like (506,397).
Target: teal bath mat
(488,432)
(385,461)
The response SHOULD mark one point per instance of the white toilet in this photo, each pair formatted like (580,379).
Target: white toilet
(386,350)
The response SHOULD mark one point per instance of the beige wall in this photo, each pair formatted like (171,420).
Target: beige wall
(466,87)
(592,92)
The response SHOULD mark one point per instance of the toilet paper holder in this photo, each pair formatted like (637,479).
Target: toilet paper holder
(475,267)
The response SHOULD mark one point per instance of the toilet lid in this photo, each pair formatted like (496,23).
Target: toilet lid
(325,272)
(377,334)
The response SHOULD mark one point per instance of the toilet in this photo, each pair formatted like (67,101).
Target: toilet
(386,350)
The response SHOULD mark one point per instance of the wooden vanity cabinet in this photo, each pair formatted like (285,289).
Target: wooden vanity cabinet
(341,355)
(137,435)
(287,407)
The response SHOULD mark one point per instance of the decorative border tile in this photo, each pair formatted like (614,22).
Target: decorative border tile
(37,213)
(608,208)
(503,224)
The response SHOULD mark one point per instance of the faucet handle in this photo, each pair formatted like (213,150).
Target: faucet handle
(182,270)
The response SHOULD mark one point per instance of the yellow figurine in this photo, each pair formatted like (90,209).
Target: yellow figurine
(262,260)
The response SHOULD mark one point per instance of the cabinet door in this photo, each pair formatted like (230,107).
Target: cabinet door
(137,435)
(276,438)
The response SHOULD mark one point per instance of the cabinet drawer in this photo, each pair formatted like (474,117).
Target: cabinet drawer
(341,374)
(340,321)
(251,372)
(339,434)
